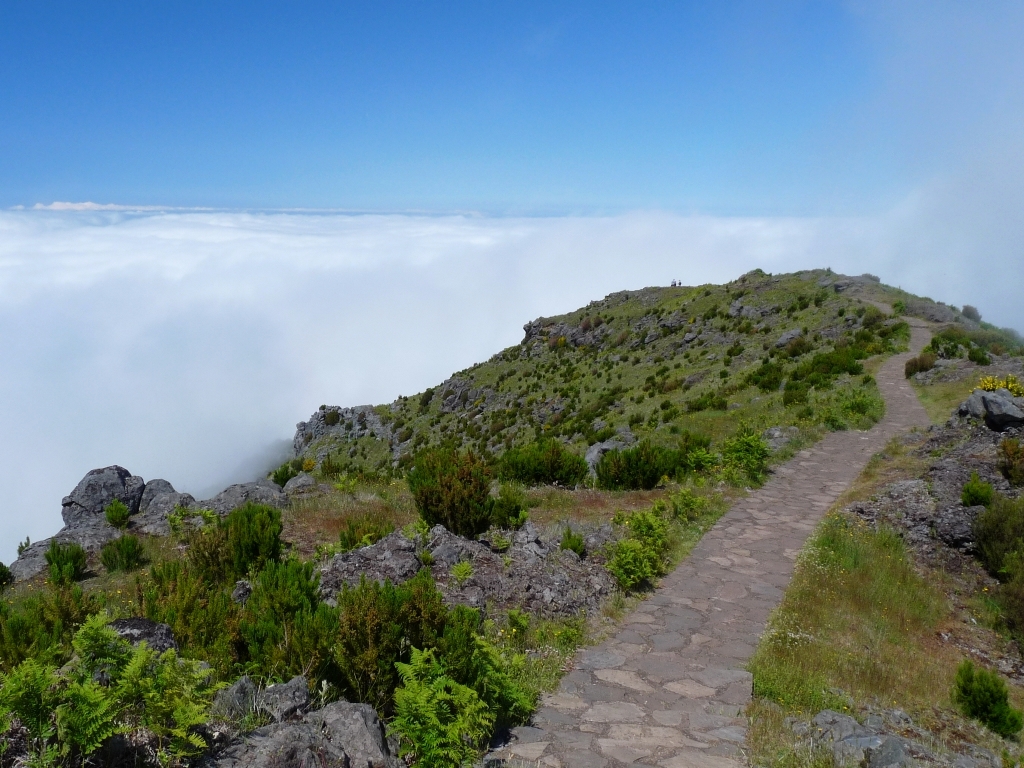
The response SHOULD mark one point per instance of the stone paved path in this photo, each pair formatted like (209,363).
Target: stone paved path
(670,687)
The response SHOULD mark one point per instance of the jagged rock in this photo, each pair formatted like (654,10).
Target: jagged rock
(341,734)
(285,700)
(159,499)
(243,589)
(788,336)
(234,496)
(447,549)
(597,450)
(236,701)
(891,753)
(777,437)
(1000,409)
(393,558)
(96,490)
(157,636)
(300,483)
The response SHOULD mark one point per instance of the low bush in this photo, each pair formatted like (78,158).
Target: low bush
(708,401)
(976,492)
(122,554)
(747,451)
(977,356)
(117,514)
(767,378)
(452,489)
(42,624)
(923,362)
(632,564)
(253,537)
(999,531)
(983,696)
(1011,460)
(573,542)
(644,465)
(545,462)
(795,393)
(6,577)
(286,471)
(687,505)
(509,508)
(67,562)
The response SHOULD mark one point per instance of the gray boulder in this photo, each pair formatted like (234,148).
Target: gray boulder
(392,558)
(234,496)
(158,637)
(341,734)
(597,450)
(159,499)
(236,701)
(777,437)
(96,490)
(300,483)
(1000,409)
(285,701)
(788,336)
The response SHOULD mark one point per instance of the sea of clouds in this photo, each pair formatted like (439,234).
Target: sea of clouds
(187,344)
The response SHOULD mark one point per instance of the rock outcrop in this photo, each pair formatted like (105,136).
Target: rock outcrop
(1000,409)
(525,571)
(157,636)
(339,734)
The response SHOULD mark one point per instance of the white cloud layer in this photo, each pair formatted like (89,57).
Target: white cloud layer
(183,345)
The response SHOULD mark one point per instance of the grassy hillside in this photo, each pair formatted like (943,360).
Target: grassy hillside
(647,364)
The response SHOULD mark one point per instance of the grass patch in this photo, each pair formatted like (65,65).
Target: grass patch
(940,399)
(855,618)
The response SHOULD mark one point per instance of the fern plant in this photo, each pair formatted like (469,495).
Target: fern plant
(440,723)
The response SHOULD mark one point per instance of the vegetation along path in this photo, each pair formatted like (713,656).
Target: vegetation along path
(670,687)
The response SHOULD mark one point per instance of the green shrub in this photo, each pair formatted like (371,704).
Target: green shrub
(253,534)
(977,356)
(42,625)
(999,531)
(768,377)
(649,527)
(122,554)
(440,723)
(377,625)
(287,630)
(452,489)
(1011,460)
(117,514)
(632,563)
(67,562)
(543,462)
(976,492)
(362,531)
(462,571)
(747,451)
(982,695)
(509,509)
(686,505)
(202,616)
(923,362)
(708,401)
(573,542)
(6,577)
(795,393)
(287,471)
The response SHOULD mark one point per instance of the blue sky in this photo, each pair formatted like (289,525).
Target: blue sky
(165,304)
(733,107)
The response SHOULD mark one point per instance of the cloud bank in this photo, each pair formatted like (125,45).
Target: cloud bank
(186,345)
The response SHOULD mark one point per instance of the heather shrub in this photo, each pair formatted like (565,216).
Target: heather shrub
(795,393)
(117,514)
(42,625)
(67,562)
(983,696)
(6,577)
(708,401)
(631,468)
(545,462)
(1011,460)
(768,377)
(999,531)
(286,471)
(253,537)
(509,509)
(923,362)
(286,629)
(452,489)
(122,554)
(977,356)
(976,492)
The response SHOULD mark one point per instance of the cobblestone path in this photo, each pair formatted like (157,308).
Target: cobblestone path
(669,689)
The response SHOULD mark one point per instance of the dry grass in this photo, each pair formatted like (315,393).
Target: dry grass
(549,504)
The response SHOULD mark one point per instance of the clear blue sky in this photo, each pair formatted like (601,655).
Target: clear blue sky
(731,107)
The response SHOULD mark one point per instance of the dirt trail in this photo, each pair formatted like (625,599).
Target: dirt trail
(670,687)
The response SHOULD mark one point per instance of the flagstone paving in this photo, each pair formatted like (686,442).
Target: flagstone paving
(669,689)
